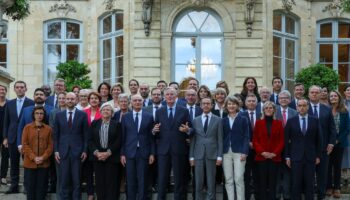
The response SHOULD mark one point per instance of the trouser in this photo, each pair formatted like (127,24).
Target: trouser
(234,175)
(267,177)
(4,161)
(14,161)
(334,168)
(37,183)
(321,175)
(106,177)
(205,168)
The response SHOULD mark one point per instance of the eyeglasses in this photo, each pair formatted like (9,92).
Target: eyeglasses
(39,113)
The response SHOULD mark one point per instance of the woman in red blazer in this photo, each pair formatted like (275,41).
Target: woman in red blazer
(268,142)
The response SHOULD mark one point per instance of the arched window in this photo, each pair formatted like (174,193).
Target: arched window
(285,48)
(333,47)
(4,51)
(197,47)
(62,42)
(111,51)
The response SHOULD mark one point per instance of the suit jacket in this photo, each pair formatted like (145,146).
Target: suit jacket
(293,104)
(272,98)
(11,119)
(26,118)
(114,140)
(327,124)
(170,139)
(237,136)
(180,102)
(344,128)
(149,109)
(97,115)
(132,137)
(257,117)
(291,113)
(299,146)
(75,138)
(206,145)
(50,100)
(197,111)
(149,103)
(217,113)
(116,116)
(262,142)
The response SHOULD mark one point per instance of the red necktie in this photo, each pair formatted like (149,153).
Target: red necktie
(284,117)
(70,119)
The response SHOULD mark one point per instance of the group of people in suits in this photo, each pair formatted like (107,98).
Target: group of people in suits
(264,144)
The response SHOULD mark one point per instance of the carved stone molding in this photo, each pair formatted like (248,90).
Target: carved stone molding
(110,4)
(249,16)
(288,4)
(62,8)
(147,15)
(335,8)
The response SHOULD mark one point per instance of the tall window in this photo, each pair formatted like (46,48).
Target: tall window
(62,42)
(3,52)
(112,51)
(285,48)
(198,47)
(333,47)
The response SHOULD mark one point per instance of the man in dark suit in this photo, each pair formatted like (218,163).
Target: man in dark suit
(138,149)
(206,149)
(283,113)
(144,92)
(328,130)
(265,94)
(172,129)
(277,84)
(178,101)
(59,86)
(156,95)
(191,99)
(250,173)
(299,92)
(70,140)
(13,113)
(303,143)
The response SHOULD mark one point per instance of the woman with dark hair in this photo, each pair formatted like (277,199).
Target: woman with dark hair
(223,84)
(250,86)
(104,90)
(268,142)
(341,120)
(203,92)
(324,98)
(37,149)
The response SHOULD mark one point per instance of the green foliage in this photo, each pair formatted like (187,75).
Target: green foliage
(19,10)
(74,73)
(346,5)
(318,74)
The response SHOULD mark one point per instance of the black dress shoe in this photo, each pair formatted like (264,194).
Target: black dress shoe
(12,190)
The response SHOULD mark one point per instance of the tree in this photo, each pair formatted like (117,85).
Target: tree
(318,74)
(74,73)
(346,5)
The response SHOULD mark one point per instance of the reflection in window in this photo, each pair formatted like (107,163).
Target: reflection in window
(62,43)
(334,48)
(112,51)
(198,55)
(3,54)
(285,48)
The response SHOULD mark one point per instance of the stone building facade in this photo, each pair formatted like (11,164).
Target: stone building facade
(151,40)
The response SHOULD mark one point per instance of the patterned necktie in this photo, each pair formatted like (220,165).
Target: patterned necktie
(284,117)
(303,128)
(70,120)
(206,123)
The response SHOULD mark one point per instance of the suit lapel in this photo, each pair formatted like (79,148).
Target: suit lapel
(210,125)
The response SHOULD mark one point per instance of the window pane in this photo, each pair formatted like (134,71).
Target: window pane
(211,25)
(53,59)
(119,21)
(3,53)
(73,31)
(107,25)
(185,25)
(326,30)
(290,49)
(290,66)
(326,53)
(343,52)
(107,70)
(344,30)
(211,50)
(277,46)
(72,52)
(210,74)
(185,51)
(344,72)
(119,70)
(182,71)
(106,49)
(277,66)
(277,22)
(198,18)
(54,30)
(119,46)
(289,85)
(290,25)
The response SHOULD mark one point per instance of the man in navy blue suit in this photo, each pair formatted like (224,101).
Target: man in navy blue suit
(59,86)
(172,129)
(13,113)
(303,143)
(277,84)
(138,148)
(191,99)
(299,92)
(144,92)
(328,130)
(70,145)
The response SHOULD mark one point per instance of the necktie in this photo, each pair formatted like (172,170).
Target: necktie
(284,117)
(19,106)
(315,111)
(252,119)
(206,123)
(70,120)
(56,102)
(303,128)
(137,121)
(191,113)
(276,98)
(171,117)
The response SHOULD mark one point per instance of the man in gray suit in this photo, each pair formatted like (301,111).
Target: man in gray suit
(206,149)
(284,113)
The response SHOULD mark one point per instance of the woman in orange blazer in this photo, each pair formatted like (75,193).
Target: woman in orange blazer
(268,142)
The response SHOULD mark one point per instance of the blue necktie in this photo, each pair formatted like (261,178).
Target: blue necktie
(137,121)
(19,106)
(171,117)
(303,128)
(206,123)
(315,111)
(191,113)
